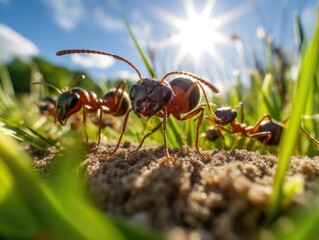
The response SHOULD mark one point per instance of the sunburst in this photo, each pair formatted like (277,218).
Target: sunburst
(198,33)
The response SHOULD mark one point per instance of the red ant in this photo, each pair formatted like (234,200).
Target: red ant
(47,107)
(115,102)
(152,96)
(268,132)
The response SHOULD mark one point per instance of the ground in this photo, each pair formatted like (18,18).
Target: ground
(221,195)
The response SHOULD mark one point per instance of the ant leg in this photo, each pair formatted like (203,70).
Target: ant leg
(147,135)
(192,114)
(101,110)
(187,94)
(259,135)
(120,138)
(199,111)
(309,136)
(207,102)
(164,133)
(218,127)
(118,100)
(85,108)
(222,137)
(100,126)
(257,124)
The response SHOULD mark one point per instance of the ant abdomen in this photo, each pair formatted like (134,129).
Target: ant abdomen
(180,86)
(111,102)
(276,132)
(212,134)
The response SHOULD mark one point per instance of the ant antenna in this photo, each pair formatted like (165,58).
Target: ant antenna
(76,81)
(209,85)
(73,51)
(49,85)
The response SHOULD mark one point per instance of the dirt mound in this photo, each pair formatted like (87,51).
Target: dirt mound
(221,195)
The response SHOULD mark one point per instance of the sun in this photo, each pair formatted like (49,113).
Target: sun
(194,36)
(197,34)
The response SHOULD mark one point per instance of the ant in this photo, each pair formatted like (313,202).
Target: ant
(156,97)
(115,102)
(47,107)
(268,132)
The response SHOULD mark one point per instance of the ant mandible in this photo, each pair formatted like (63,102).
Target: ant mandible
(115,102)
(152,96)
(268,132)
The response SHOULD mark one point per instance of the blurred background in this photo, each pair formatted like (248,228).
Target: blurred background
(214,39)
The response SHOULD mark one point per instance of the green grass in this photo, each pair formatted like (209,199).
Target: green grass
(304,86)
(33,208)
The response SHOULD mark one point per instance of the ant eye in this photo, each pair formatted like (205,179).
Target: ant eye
(234,114)
(133,91)
(73,101)
(167,94)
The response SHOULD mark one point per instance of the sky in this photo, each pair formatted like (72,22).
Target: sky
(191,35)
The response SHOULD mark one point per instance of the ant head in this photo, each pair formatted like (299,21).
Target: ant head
(149,96)
(47,105)
(67,104)
(226,115)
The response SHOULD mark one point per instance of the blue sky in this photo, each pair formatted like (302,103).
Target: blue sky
(43,27)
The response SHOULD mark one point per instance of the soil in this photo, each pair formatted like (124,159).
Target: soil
(220,195)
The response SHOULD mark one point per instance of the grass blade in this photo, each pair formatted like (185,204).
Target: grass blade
(306,77)
(299,33)
(10,221)
(37,196)
(146,62)
(174,134)
(271,97)
(56,218)
(41,137)
(15,131)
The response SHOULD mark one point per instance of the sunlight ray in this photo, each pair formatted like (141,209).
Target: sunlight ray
(197,35)
(167,17)
(208,9)
(232,14)
(190,8)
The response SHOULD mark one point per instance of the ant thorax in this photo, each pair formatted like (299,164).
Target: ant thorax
(149,97)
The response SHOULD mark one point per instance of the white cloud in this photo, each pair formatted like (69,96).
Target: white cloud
(108,22)
(93,61)
(13,44)
(69,13)
(124,74)
(66,13)
(4,1)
